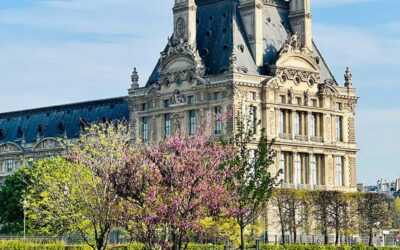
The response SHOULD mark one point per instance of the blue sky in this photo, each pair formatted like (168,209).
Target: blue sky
(61,51)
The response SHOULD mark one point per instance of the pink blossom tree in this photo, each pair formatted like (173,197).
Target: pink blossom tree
(171,186)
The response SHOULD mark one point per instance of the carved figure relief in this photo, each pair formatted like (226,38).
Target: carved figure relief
(48,144)
(291,95)
(6,148)
(180,27)
(178,97)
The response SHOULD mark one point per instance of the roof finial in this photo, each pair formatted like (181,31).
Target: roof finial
(135,79)
(348,77)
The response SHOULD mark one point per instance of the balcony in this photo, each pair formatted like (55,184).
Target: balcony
(318,139)
(286,136)
(301,138)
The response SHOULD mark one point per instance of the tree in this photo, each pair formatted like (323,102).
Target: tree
(75,192)
(337,212)
(373,213)
(323,204)
(279,203)
(175,184)
(11,197)
(396,213)
(252,184)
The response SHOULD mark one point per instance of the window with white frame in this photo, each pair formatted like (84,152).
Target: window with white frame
(252,119)
(313,168)
(339,127)
(167,125)
(192,122)
(297,169)
(145,129)
(339,171)
(281,122)
(10,165)
(252,96)
(218,121)
(282,165)
(313,124)
(297,123)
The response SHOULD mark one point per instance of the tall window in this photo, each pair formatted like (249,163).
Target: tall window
(252,118)
(252,96)
(339,171)
(217,96)
(145,129)
(10,165)
(167,125)
(313,166)
(218,122)
(313,124)
(167,103)
(282,122)
(192,122)
(339,127)
(282,165)
(297,123)
(297,169)
(190,99)
(145,107)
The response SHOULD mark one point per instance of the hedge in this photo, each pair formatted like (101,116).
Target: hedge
(19,245)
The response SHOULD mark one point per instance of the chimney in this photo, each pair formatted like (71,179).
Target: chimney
(300,20)
(251,12)
(185,21)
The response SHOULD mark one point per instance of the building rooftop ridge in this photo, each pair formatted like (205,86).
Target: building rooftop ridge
(62,107)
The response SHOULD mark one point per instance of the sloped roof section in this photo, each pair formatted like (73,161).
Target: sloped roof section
(58,121)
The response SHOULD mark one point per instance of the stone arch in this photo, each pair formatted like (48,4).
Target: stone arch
(10,147)
(48,144)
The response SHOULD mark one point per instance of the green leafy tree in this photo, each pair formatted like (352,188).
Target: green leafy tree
(373,213)
(253,183)
(74,192)
(11,197)
(396,213)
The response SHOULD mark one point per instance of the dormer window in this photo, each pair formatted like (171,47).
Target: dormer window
(61,128)
(20,133)
(2,134)
(41,129)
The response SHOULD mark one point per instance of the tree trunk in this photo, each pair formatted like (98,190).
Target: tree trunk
(283,235)
(326,236)
(241,237)
(337,236)
(370,237)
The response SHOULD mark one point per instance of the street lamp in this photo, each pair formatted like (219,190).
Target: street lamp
(66,190)
(24,205)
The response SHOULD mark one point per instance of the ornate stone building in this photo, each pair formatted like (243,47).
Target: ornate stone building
(252,56)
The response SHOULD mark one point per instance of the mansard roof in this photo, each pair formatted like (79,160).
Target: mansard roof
(221,33)
(59,121)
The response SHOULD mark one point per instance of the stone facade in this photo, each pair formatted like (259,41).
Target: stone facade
(294,94)
(252,56)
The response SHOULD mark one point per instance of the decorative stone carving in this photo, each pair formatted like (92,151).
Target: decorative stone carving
(9,147)
(306,97)
(234,68)
(348,77)
(183,48)
(48,144)
(328,89)
(291,95)
(178,97)
(351,106)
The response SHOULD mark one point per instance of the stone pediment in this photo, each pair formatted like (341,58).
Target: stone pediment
(48,143)
(9,147)
(295,63)
(180,62)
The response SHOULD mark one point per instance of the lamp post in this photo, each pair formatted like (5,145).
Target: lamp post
(66,193)
(24,204)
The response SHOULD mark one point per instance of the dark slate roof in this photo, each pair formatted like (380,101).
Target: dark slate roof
(220,32)
(57,120)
